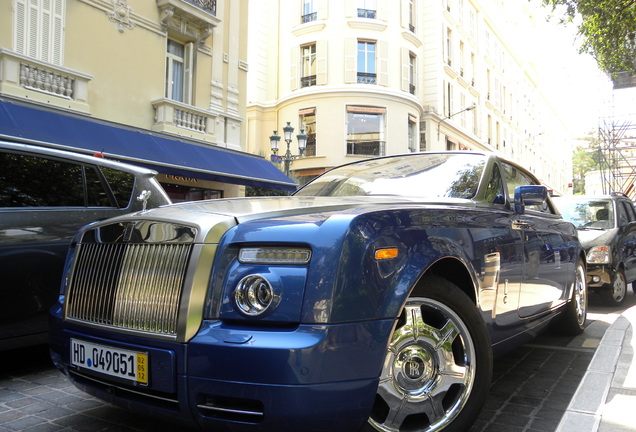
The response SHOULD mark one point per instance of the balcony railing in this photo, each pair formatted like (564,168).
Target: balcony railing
(366,78)
(366,13)
(412,89)
(365,148)
(208,5)
(46,81)
(176,117)
(37,80)
(308,81)
(309,17)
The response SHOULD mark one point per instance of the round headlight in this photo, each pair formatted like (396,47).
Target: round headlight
(253,295)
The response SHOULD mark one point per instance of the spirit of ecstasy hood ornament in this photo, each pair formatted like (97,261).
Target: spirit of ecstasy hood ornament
(144,196)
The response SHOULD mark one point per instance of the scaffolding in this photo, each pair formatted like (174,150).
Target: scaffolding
(617,158)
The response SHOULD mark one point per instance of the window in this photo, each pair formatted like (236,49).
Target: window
(308,65)
(516,178)
(412,134)
(307,121)
(121,184)
(412,73)
(449,47)
(309,13)
(365,131)
(366,62)
(367,8)
(461,58)
(30,181)
(494,189)
(412,15)
(39,29)
(179,71)
(629,208)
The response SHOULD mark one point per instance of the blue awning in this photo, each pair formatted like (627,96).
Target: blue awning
(163,154)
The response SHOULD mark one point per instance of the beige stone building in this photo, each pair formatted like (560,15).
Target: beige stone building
(375,77)
(161,83)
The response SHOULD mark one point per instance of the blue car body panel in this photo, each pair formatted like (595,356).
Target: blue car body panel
(316,357)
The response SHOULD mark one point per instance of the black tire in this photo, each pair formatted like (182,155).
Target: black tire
(615,294)
(572,321)
(438,367)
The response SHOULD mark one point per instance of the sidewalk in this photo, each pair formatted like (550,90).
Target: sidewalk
(605,400)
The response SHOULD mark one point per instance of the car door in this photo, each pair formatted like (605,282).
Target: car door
(43,202)
(627,234)
(545,272)
(499,253)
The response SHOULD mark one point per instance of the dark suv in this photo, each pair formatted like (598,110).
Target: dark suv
(607,230)
(46,195)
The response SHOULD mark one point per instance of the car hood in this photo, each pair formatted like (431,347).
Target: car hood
(214,217)
(590,238)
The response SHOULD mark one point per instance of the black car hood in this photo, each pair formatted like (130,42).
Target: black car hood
(590,238)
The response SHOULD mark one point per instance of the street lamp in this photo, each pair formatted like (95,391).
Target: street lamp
(439,122)
(287,135)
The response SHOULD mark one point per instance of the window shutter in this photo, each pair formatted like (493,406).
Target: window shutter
(382,12)
(351,46)
(34,24)
(404,14)
(20,36)
(321,63)
(323,9)
(45,34)
(188,73)
(351,8)
(57,45)
(406,69)
(383,63)
(293,68)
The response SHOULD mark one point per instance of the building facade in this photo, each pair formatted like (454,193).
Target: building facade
(365,78)
(169,77)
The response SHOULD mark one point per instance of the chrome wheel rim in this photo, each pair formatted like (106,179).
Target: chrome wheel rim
(580,296)
(619,288)
(428,372)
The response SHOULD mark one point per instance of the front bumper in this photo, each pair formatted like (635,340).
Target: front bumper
(234,378)
(599,276)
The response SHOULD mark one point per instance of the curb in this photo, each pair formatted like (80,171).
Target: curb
(607,393)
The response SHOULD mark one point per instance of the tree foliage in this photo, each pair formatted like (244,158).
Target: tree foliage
(607,29)
(584,159)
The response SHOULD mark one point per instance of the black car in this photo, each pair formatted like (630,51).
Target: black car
(607,230)
(46,195)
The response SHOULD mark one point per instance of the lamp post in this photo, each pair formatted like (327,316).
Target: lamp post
(287,135)
(439,122)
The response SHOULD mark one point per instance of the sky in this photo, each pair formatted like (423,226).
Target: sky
(587,97)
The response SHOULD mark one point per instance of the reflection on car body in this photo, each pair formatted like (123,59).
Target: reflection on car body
(373,298)
(46,195)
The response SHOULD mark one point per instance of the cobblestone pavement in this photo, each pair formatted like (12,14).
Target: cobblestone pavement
(531,389)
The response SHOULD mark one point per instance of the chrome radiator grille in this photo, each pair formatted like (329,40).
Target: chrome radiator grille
(129,286)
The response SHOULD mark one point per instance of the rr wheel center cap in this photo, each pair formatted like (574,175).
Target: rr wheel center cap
(413,368)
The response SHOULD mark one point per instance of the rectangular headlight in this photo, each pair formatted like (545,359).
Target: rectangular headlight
(274,255)
(599,255)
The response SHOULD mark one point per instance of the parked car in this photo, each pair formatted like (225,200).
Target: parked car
(607,230)
(46,196)
(375,297)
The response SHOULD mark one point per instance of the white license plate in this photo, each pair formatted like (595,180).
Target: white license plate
(130,365)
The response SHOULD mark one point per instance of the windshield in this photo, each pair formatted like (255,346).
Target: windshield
(422,175)
(587,213)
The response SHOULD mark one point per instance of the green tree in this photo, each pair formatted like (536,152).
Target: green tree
(584,159)
(607,29)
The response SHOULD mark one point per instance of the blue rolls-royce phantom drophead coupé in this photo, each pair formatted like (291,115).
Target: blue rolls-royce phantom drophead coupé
(373,298)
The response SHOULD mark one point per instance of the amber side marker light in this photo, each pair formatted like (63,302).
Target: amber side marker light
(384,254)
